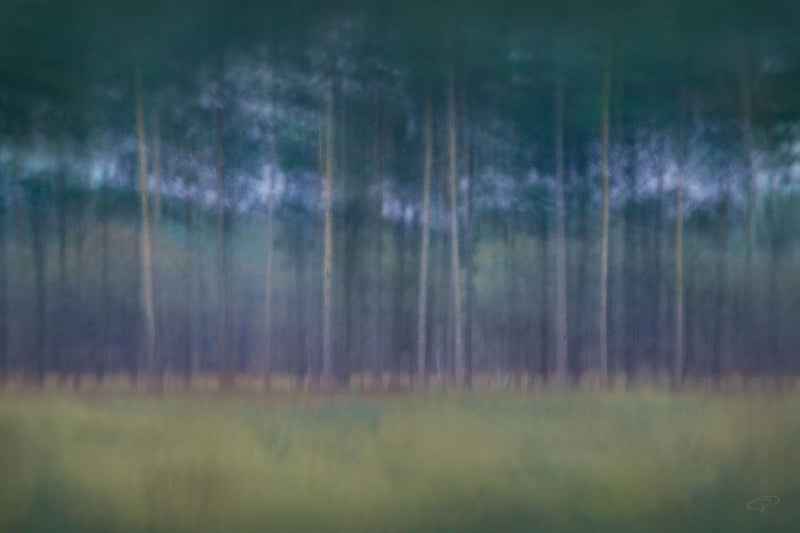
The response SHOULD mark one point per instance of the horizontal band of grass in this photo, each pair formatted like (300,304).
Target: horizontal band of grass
(549,462)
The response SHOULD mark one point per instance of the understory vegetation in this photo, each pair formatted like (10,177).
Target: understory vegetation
(482,461)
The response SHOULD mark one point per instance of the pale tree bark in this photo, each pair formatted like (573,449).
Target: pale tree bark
(101,361)
(36,217)
(154,381)
(378,347)
(268,341)
(561,252)
(398,307)
(718,363)
(194,227)
(61,325)
(226,374)
(79,355)
(156,181)
(460,370)
(606,97)
(579,346)
(469,252)
(327,289)
(156,245)
(749,305)
(4,273)
(631,344)
(677,368)
(191,345)
(776,357)
(544,296)
(512,344)
(422,310)
(659,289)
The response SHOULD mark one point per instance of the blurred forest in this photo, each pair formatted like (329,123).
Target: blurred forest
(391,195)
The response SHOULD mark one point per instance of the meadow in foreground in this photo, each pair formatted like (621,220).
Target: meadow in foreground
(581,461)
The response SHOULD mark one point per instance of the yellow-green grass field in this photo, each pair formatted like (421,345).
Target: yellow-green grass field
(541,462)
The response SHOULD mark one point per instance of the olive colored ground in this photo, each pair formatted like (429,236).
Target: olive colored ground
(583,460)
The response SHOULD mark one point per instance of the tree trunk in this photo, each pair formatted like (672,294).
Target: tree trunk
(631,282)
(268,342)
(189,355)
(36,214)
(422,309)
(469,151)
(398,331)
(4,273)
(61,326)
(544,284)
(773,346)
(677,369)
(583,260)
(718,363)
(78,352)
(226,374)
(327,290)
(512,330)
(454,252)
(561,249)
(378,347)
(101,357)
(154,382)
(658,311)
(158,271)
(749,306)
(302,361)
(604,374)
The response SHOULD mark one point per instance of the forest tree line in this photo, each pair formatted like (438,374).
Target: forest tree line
(333,210)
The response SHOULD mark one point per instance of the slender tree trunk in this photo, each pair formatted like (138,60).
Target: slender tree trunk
(226,375)
(460,371)
(469,356)
(158,271)
(561,248)
(4,273)
(348,250)
(631,283)
(440,298)
(544,319)
(189,356)
(773,345)
(268,342)
(422,309)
(101,358)
(604,374)
(718,364)
(469,151)
(378,347)
(78,352)
(36,214)
(61,299)
(302,362)
(677,369)
(657,345)
(398,325)
(512,331)
(327,290)
(146,242)
(750,305)
(583,260)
